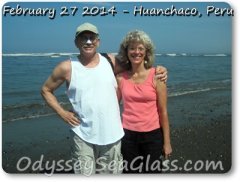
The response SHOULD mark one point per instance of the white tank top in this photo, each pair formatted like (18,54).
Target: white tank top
(92,93)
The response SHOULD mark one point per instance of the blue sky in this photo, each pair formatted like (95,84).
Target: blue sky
(170,34)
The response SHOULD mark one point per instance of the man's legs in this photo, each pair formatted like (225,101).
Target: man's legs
(109,159)
(82,156)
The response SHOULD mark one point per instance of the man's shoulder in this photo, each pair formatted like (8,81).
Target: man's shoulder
(109,58)
(65,65)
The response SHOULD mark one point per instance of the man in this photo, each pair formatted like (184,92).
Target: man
(95,123)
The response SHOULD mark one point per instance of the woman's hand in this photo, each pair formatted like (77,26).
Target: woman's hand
(167,150)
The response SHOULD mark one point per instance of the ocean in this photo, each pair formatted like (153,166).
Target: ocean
(24,74)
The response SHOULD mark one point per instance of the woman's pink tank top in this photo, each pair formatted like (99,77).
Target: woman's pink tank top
(140,104)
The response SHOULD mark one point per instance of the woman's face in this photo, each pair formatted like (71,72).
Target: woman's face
(136,53)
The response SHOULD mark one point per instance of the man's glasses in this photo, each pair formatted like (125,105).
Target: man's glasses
(88,39)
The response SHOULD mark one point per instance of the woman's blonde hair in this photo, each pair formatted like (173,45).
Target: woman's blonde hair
(139,37)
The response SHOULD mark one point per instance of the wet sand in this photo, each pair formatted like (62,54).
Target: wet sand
(201,132)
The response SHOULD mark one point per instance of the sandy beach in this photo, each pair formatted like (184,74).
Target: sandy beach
(201,132)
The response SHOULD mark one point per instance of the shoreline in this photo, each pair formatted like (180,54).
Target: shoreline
(201,130)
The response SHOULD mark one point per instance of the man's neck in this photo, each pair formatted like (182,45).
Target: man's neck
(89,60)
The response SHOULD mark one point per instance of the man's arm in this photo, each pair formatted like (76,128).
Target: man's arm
(161,72)
(57,78)
(117,67)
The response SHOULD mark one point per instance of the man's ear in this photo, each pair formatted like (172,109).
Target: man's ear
(98,42)
(75,41)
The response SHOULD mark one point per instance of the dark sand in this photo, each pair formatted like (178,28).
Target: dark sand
(201,130)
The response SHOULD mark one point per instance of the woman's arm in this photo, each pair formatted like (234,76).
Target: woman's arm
(117,67)
(119,93)
(162,107)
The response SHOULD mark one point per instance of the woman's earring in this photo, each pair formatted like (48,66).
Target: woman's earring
(145,62)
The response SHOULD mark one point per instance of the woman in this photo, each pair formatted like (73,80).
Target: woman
(145,117)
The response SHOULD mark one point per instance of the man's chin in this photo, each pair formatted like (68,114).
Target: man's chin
(88,50)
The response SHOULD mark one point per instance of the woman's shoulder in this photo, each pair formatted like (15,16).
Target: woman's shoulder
(121,75)
(152,70)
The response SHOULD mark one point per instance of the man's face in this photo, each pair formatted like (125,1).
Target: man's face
(87,42)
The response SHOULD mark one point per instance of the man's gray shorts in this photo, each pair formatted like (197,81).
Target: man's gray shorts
(90,158)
